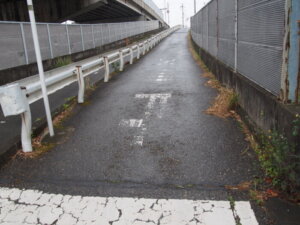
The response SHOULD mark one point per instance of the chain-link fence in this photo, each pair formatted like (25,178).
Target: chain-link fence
(16,43)
(246,35)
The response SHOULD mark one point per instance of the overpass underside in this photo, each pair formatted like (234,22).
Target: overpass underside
(80,11)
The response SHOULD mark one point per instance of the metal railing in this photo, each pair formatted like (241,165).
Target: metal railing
(56,40)
(15,98)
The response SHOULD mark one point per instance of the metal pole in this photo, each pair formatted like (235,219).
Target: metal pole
(40,66)
(195,6)
(182,8)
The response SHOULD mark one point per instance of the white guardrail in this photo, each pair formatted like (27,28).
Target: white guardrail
(16,97)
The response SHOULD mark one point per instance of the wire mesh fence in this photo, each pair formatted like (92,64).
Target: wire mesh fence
(17,48)
(246,35)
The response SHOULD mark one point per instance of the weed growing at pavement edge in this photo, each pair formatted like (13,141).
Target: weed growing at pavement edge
(276,155)
(59,62)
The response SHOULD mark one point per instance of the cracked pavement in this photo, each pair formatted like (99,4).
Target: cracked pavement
(35,207)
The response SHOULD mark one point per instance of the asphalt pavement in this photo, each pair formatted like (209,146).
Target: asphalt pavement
(145,134)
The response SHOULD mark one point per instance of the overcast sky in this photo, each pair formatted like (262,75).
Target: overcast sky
(175,10)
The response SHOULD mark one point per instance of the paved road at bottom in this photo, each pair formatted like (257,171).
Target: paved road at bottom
(142,139)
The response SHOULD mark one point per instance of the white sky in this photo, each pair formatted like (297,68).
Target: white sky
(175,10)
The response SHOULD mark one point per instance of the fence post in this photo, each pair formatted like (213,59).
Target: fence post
(236,36)
(24,43)
(108,27)
(94,43)
(82,40)
(121,60)
(50,43)
(68,39)
(81,84)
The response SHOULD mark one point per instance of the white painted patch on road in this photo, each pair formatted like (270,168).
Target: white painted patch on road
(131,123)
(161,79)
(161,100)
(138,140)
(245,213)
(35,207)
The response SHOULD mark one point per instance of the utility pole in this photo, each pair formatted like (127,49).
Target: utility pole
(195,7)
(168,11)
(182,8)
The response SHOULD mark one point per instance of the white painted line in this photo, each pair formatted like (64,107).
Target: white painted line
(131,123)
(35,207)
(245,213)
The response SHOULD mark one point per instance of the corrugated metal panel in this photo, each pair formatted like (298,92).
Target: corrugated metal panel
(259,38)
(212,28)
(226,21)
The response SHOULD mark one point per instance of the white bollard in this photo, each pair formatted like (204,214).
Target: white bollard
(144,48)
(26,130)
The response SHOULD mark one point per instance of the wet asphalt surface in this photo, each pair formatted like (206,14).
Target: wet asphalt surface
(185,154)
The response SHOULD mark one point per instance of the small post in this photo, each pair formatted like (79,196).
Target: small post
(106,65)
(24,43)
(121,60)
(26,130)
(144,48)
(131,55)
(138,51)
(81,84)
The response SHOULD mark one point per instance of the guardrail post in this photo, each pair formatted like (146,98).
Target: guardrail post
(131,55)
(121,60)
(147,45)
(81,84)
(106,66)
(26,130)
(144,48)
(138,51)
